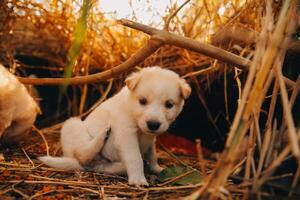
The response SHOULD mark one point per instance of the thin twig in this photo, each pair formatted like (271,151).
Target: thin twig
(85,189)
(176,158)
(32,163)
(43,137)
(200,157)
(197,73)
(68,183)
(275,163)
(272,144)
(103,97)
(295,180)
(174,187)
(49,192)
(146,195)
(25,196)
(287,114)
(146,50)
(102,193)
(166,27)
(175,178)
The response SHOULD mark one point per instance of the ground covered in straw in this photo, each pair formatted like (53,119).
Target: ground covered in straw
(22,176)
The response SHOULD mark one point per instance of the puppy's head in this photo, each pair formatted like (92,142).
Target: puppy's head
(157,97)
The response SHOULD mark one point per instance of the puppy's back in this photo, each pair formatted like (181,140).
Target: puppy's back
(18,109)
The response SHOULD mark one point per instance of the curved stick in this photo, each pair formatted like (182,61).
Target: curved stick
(146,50)
(158,38)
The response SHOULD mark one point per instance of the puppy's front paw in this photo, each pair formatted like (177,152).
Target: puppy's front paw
(138,181)
(156,169)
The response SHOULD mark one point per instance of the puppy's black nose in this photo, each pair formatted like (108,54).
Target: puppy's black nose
(153,125)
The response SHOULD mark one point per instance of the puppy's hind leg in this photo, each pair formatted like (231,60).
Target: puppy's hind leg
(77,142)
(111,168)
(88,152)
(96,128)
(81,143)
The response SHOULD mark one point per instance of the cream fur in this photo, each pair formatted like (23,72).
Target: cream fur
(130,140)
(18,109)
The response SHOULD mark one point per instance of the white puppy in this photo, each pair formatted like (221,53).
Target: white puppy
(18,109)
(144,108)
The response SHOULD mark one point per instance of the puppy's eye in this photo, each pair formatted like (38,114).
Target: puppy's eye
(169,104)
(143,101)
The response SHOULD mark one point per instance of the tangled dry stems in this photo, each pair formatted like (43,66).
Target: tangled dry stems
(48,37)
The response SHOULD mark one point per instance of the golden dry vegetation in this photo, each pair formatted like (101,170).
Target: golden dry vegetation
(245,39)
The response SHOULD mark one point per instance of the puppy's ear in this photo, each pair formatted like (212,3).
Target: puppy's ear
(185,88)
(132,81)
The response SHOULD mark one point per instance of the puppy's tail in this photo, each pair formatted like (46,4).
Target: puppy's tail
(65,163)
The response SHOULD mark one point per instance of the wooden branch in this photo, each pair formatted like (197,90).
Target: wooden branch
(238,33)
(190,44)
(193,45)
(148,49)
(158,39)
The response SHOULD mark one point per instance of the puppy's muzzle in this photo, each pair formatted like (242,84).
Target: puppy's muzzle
(153,125)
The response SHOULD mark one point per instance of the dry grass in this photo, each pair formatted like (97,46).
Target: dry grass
(46,31)
(22,175)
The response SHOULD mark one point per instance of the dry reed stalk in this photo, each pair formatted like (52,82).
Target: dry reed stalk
(280,158)
(202,162)
(288,115)
(295,91)
(276,162)
(262,156)
(246,90)
(257,132)
(249,156)
(84,89)
(292,101)
(225,94)
(272,104)
(295,180)
(83,98)
(262,95)
(268,59)
(272,148)
(241,123)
